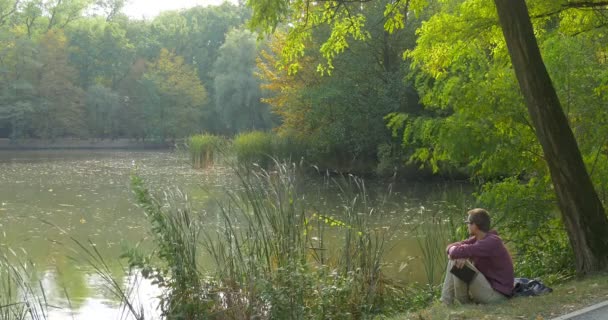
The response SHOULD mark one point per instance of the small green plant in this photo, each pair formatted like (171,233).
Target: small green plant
(202,149)
(254,148)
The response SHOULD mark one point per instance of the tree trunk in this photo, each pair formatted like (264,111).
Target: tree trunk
(581,208)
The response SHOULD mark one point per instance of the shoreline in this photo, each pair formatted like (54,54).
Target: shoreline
(81,144)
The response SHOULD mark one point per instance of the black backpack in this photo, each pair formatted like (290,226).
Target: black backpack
(529,287)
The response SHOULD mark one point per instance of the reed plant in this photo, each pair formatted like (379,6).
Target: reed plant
(254,147)
(129,306)
(273,260)
(202,148)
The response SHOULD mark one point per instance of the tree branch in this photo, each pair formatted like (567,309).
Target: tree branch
(585,4)
(9,13)
(573,5)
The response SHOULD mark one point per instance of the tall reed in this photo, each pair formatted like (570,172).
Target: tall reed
(271,253)
(202,148)
(254,147)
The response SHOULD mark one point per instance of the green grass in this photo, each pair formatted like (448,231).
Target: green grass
(566,297)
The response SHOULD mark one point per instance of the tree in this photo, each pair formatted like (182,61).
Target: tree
(60,109)
(103,112)
(202,31)
(18,64)
(340,118)
(177,94)
(237,90)
(582,211)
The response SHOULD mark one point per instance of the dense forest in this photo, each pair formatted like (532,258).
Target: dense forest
(82,69)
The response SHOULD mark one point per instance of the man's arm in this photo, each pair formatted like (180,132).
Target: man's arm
(484,248)
(468,241)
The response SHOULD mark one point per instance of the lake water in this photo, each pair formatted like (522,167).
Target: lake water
(48,199)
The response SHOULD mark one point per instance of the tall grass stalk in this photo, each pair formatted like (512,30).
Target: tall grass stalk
(432,236)
(126,296)
(272,257)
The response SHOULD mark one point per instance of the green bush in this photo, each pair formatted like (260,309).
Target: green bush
(254,147)
(202,148)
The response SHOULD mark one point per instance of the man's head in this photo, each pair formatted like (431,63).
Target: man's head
(479,220)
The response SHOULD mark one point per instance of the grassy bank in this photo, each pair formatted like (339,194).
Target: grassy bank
(566,297)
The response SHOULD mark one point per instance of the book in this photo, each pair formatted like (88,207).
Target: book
(465,273)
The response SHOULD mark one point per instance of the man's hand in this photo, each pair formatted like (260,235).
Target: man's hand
(459,263)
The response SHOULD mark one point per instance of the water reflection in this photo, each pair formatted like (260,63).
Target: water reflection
(49,197)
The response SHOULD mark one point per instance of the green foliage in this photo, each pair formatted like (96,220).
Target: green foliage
(254,148)
(478,119)
(340,117)
(346,22)
(202,148)
(42,92)
(286,147)
(390,159)
(179,96)
(59,110)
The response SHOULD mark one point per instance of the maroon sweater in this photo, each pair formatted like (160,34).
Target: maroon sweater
(490,256)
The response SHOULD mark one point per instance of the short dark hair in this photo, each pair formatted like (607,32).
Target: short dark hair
(481,218)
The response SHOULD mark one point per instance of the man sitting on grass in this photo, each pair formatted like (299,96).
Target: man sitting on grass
(492,267)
